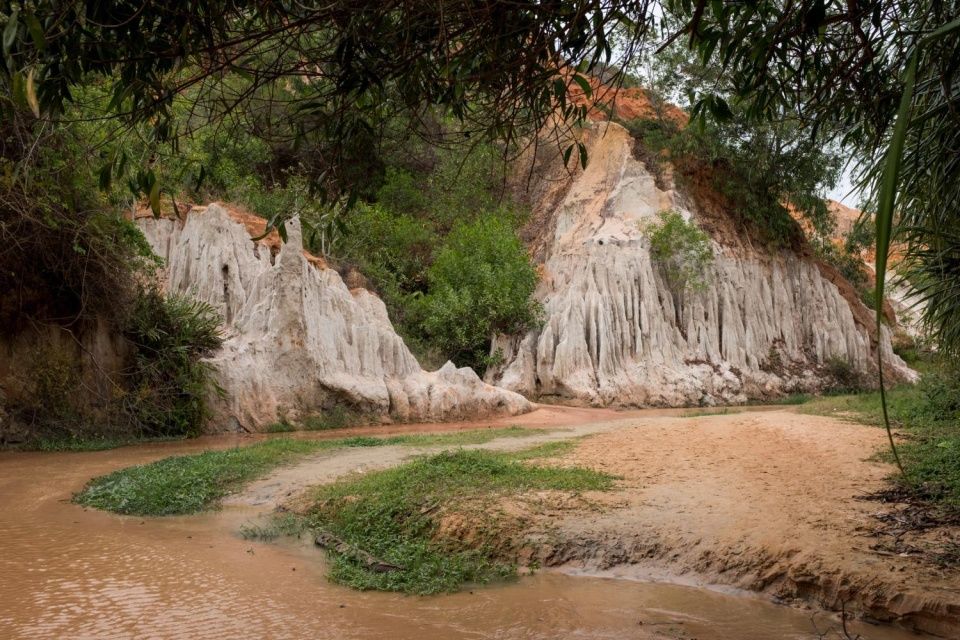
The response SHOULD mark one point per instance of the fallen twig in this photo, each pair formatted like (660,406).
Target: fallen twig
(329,541)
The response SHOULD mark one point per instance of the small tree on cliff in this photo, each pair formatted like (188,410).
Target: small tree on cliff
(682,250)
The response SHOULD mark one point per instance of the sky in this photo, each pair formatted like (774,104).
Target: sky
(844,192)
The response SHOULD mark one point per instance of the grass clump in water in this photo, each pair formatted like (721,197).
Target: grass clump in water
(191,483)
(396,514)
(286,524)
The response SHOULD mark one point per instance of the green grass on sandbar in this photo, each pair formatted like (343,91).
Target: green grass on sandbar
(191,483)
(395,514)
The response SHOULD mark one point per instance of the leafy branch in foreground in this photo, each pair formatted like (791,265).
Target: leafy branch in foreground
(342,69)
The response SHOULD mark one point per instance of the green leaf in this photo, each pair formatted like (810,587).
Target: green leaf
(719,108)
(584,85)
(155,198)
(560,89)
(890,179)
(10,31)
(946,29)
(566,155)
(105,176)
(36,30)
(717,7)
(201,176)
(17,88)
(583,154)
(815,16)
(30,93)
(885,207)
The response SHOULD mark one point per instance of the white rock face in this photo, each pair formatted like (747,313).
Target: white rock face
(298,340)
(616,334)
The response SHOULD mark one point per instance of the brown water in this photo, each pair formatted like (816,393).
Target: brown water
(66,572)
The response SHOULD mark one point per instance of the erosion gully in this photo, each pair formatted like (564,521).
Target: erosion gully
(69,572)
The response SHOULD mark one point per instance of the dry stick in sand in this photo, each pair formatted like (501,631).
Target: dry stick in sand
(327,540)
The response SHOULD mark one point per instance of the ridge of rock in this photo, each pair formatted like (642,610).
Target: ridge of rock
(768,324)
(297,339)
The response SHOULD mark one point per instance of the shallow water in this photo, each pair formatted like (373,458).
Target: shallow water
(67,572)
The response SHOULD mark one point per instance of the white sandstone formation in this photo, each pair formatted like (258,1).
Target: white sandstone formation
(615,333)
(298,340)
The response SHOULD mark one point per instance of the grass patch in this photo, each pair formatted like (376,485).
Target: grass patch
(191,483)
(862,407)
(553,449)
(89,443)
(793,399)
(722,411)
(461,438)
(395,515)
(281,426)
(338,417)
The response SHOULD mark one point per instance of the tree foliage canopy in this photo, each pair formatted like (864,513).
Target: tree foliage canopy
(340,70)
(336,78)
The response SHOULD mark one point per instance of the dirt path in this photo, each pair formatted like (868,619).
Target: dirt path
(761,501)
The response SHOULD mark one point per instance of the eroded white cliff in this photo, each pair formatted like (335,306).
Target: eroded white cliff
(615,333)
(298,340)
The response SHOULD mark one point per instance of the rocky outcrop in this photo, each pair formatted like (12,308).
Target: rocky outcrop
(298,340)
(616,333)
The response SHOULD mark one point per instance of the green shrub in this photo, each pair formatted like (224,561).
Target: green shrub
(401,193)
(480,284)
(280,426)
(755,168)
(392,249)
(336,417)
(940,389)
(169,382)
(50,381)
(843,376)
(681,250)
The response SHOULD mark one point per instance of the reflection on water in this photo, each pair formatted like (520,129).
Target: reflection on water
(66,572)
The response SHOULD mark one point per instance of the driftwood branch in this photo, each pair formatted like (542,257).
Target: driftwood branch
(329,541)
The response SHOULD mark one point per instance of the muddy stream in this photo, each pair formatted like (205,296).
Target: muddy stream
(67,572)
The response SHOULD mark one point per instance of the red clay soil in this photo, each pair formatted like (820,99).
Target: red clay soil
(624,103)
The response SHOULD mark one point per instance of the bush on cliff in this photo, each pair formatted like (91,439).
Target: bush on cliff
(682,250)
(481,283)
(169,383)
